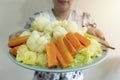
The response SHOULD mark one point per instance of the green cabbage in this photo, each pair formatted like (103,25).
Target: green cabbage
(87,55)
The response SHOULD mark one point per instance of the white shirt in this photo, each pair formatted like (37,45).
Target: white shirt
(74,16)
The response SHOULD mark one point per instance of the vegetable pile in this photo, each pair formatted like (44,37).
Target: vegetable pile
(59,43)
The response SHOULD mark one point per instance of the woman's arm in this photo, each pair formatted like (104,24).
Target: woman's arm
(96,32)
(87,21)
(15,34)
(92,29)
(26,27)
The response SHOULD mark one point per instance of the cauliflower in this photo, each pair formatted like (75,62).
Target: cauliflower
(82,30)
(30,58)
(39,23)
(56,23)
(64,24)
(48,36)
(73,27)
(42,59)
(26,56)
(48,29)
(25,33)
(20,52)
(59,32)
(37,41)
(70,26)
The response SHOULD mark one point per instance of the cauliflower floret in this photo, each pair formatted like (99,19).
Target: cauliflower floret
(73,27)
(25,33)
(48,36)
(42,41)
(20,52)
(48,29)
(82,30)
(36,42)
(26,56)
(64,24)
(30,58)
(42,59)
(56,23)
(39,23)
(31,42)
(59,32)
(70,26)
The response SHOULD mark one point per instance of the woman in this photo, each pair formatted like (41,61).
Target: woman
(61,11)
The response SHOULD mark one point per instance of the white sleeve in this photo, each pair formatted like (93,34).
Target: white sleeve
(28,24)
(87,20)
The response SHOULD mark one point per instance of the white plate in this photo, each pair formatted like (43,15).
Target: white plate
(38,68)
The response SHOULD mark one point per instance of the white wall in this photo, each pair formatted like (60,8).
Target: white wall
(15,13)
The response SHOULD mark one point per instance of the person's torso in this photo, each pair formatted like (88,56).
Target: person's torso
(73,16)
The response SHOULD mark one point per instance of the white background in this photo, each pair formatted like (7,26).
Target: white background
(15,13)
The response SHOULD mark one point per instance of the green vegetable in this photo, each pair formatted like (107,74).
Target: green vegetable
(87,55)
(91,36)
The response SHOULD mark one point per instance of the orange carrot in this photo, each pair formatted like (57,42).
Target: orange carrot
(60,58)
(13,51)
(51,55)
(63,50)
(69,46)
(82,39)
(17,41)
(74,41)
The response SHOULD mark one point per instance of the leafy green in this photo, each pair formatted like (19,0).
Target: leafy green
(87,55)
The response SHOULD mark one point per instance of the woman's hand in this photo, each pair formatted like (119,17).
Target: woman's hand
(15,34)
(96,32)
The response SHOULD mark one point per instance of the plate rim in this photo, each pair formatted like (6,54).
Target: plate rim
(38,68)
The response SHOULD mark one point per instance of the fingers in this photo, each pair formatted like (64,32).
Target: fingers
(106,44)
(99,34)
(96,32)
(91,30)
(15,34)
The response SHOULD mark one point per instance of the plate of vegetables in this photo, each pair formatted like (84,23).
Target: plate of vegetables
(59,46)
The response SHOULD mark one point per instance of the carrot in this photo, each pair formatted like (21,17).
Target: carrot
(69,46)
(17,41)
(74,41)
(82,39)
(13,51)
(51,55)
(63,50)
(60,58)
